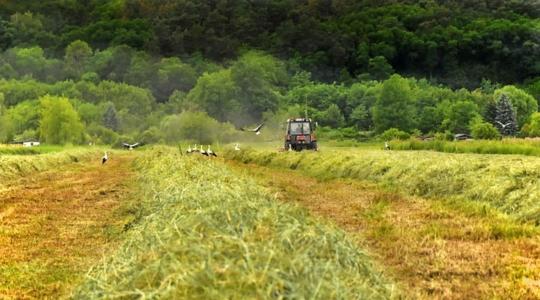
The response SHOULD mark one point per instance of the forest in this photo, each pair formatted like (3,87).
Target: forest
(94,71)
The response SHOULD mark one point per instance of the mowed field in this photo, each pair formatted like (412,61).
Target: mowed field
(341,223)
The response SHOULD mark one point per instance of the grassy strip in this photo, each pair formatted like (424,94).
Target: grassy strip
(19,150)
(207,233)
(507,183)
(13,166)
(433,247)
(507,146)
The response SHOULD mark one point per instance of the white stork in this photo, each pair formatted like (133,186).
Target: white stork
(130,146)
(203,152)
(105,158)
(236,147)
(210,152)
(257,129)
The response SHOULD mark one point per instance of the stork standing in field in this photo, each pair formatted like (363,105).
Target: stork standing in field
(236,147)
(257,129)
(189,150)
(210,152)
(105,158)
(203,152)
(386,146)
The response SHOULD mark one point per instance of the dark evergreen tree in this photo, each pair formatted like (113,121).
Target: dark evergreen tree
(109,118)
(490,112)
(505,120)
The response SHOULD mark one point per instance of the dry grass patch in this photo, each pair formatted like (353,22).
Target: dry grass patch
(55,224)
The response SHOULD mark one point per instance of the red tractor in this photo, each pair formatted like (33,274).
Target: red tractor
(300,135)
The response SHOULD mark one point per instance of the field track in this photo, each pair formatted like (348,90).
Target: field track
(433,249)
(55,224)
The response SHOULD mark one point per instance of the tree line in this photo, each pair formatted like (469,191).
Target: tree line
(123,94)
(457,43)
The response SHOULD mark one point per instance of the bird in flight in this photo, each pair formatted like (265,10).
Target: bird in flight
(504,125)
(257,129)
(105,158)
(130,146)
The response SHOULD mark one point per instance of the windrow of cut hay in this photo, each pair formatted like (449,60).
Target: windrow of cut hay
(508,183)
(13,166)
(19,150)
(205,233)
(529,147)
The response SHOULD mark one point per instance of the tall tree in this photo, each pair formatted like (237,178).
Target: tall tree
(394,107)
(59,122)
(506,117)
(110,120)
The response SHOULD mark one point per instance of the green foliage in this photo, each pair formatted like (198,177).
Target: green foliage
(506,116)
(394,134)
(110,120)
(394,107)
(195,126)
(59,122)
(332,117)
(459,116)
(532,129)
(78,54)
(482,130)
(523,104)
(216,94)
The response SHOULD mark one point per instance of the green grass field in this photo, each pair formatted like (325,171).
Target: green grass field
(341,223)
(508,183)
(528,147)
(206,233)
(19,150)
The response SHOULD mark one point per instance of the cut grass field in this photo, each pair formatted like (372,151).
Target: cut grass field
(341,223)
(56,223)
(528,147)
(207,233)
(508,183)
(436,249)
(19,150)
(14,166)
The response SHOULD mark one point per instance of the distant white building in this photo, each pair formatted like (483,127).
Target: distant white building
(30,144)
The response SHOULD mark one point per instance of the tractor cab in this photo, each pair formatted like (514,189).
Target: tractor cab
(300,134)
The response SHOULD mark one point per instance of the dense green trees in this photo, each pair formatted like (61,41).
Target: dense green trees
(394,107)
(137,69)
(458,43)
(59,123)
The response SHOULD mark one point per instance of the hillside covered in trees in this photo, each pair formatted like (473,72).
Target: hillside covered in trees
(104,71)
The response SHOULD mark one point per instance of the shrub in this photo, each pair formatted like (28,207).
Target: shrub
(394,134)
(483,130)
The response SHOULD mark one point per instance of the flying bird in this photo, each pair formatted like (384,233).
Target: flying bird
(105,158)
(210,152)
(130,146)
(504,125)
(257,129)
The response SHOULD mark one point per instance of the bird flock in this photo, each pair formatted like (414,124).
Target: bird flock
(200,150)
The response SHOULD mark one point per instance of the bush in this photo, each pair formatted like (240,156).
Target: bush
(394,134)
(482,130)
